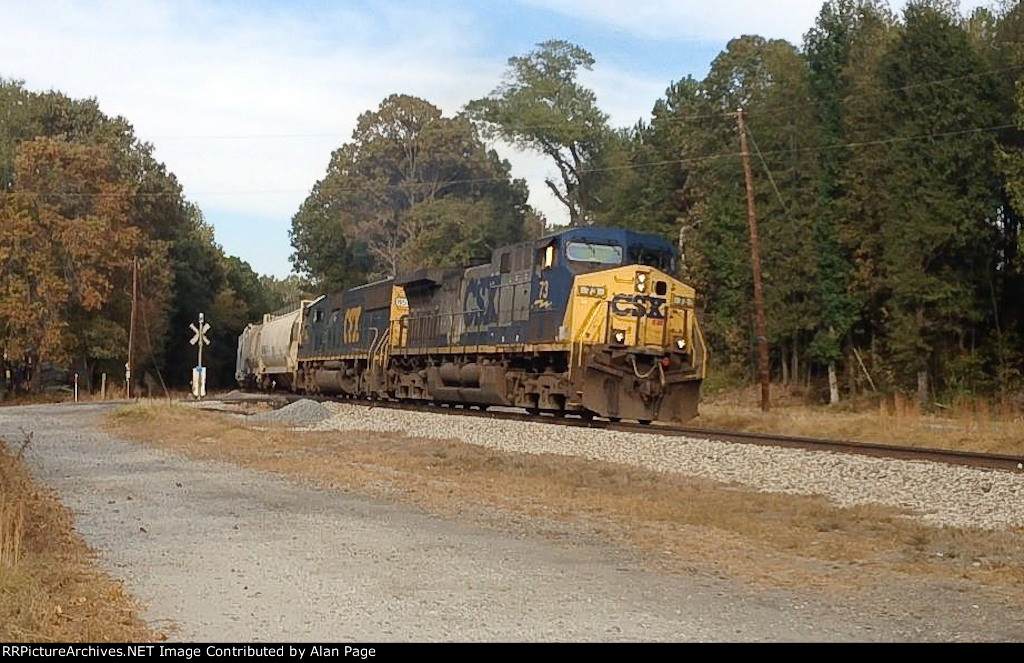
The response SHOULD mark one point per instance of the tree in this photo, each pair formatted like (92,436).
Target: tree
(409,176)
(540,106)
(941,179)
(82,197)
(64,242)
(843,31)
(286,292)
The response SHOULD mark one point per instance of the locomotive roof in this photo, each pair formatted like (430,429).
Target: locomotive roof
(610,235)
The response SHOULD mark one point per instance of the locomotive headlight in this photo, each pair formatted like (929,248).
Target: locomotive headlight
(641,281)
(619,337)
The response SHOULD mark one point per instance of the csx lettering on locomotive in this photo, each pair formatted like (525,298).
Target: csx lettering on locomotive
(638,306)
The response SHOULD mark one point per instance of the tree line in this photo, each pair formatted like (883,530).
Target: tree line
(81,200)
(889,170)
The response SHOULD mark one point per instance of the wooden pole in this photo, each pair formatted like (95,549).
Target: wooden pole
(755,264)
(131,327)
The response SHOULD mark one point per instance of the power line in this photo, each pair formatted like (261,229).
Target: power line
(762,111)
(771,178)
(480,180)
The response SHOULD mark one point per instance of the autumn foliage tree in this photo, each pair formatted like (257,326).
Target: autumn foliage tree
(64,244)
(80,198)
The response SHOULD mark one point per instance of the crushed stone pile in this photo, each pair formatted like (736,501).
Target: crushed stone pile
(304,411)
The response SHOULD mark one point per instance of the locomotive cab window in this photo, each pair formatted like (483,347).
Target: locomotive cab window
(546,257)
(662,260)
(602,254)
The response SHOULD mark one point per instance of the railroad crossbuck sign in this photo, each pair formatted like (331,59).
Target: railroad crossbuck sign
(200,333)
(199,373)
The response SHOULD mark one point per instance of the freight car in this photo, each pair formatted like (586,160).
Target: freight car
(586,321)
(267,351)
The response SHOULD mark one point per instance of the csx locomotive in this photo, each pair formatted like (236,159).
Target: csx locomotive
(585,321)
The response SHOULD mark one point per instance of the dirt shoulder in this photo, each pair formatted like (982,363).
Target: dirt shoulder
(965,426)
(50,587)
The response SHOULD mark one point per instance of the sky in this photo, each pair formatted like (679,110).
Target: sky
(245,100)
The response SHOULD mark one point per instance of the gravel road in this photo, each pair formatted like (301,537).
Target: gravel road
(227,554)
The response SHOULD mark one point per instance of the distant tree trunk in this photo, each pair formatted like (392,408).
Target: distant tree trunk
(785,364)
(833,384)
(851,371)
(794,368)
(84,371)
(922,388)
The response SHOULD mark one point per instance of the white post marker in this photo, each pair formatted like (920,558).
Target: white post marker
(76,387)
(199,373)
(199,381)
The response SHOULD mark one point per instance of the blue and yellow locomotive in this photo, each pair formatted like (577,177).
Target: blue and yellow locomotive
(586,321)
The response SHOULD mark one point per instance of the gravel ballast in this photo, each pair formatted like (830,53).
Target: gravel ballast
(939,494)
(302,411)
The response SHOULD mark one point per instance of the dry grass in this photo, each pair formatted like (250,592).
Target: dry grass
(50,589)
(966,425)
(681,522)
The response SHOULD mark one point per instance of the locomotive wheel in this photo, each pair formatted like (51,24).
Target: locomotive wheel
(533,411)
(615,420)
(644,422)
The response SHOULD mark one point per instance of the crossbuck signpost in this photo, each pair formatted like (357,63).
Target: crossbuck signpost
(199,373)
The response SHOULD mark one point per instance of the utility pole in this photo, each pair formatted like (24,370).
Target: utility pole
(755,264)
(131,327)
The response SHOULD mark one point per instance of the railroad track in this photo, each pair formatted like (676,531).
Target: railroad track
(1001,462)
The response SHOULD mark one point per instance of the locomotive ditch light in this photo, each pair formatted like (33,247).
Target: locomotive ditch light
(680,344)
(619,337)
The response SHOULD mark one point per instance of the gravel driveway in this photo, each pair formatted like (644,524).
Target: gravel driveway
(227,554)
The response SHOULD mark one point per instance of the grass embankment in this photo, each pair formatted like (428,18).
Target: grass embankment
(50,589)
(968,425)
(679,521)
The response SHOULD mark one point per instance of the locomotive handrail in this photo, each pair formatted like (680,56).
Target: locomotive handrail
(703,347)
(584,330)
(373,346)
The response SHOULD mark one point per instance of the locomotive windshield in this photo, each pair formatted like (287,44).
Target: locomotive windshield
(604,254)
(663,260)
